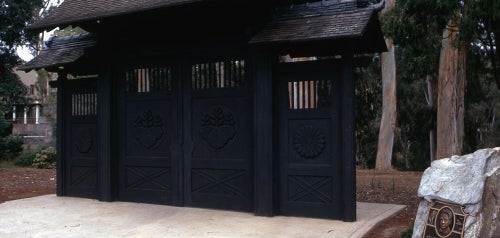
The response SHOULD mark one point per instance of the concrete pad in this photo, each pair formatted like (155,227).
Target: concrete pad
(52,216)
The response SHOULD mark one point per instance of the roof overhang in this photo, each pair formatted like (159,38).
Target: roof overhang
(61,51)
(72,12)
(312,29)
(326,26)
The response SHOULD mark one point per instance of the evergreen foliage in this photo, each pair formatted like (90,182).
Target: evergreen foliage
(368,100)
(416,28)
(10,145)
(15,16)
(26,158)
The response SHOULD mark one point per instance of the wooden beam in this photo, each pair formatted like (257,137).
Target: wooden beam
(263,164)
(60,142)
(348,139)
(104,130)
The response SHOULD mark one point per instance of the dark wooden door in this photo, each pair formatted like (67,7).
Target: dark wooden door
(218,136)
(309,154)
(186,137)
(145,135)
(80,137)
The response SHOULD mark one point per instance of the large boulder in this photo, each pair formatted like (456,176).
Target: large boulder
(470,183)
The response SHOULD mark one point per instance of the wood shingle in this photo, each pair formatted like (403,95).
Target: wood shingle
(73,11)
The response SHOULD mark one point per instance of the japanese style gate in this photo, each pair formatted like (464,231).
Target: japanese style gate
(220,124)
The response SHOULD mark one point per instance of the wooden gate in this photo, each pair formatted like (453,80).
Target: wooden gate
(309,131)
(80,105)
(145,135)
(219,136)
(186,135)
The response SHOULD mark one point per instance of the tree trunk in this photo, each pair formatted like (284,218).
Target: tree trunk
(388,120)
(495,58)
(451,89)
(430,104)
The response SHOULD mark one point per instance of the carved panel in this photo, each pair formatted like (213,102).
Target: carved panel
(148,178)
(312,189)
(222,129)
(218,181)
(217,128)
(84,140)
(83,177)
(147,129)
(310,141)
(150,129)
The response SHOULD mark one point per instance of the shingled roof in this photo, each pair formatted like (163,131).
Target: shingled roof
(317,21)
(60,51)
(326,22)
(73,11)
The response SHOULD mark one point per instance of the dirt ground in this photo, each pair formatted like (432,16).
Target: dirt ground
(392,187)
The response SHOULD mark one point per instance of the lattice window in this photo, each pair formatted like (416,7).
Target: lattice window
(223,74)
(309,94)
(144,80)
(84,104)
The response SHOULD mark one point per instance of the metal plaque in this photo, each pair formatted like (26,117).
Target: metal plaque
(445,220)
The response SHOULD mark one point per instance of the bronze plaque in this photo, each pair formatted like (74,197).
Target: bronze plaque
(444,220)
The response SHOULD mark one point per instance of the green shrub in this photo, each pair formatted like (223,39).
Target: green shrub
(10,147)
(45,159)
(27,157)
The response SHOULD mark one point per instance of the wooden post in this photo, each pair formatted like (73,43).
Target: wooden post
(104,128)
(348,139)
(263,180)
(60,142)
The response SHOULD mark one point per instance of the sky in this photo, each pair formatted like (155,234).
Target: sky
(23,52)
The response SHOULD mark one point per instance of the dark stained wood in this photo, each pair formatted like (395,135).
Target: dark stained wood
(60,136)
(105,128)
(309,152)
(348,139)
(80,138)
(202,117)
(264,168)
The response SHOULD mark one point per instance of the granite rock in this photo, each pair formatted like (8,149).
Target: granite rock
(470,181)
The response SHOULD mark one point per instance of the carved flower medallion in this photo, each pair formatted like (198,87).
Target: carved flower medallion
(309,142)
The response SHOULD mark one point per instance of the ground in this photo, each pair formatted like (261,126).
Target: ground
(391,187)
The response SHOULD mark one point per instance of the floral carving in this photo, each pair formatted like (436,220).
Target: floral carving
(309,142)
(217,128)
(150,130)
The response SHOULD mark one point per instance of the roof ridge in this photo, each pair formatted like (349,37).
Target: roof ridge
(57,42)
(319,8)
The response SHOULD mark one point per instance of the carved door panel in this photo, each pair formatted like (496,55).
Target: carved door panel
(81,138)
(198,154)
(310,176)
(145,119)
(219,137)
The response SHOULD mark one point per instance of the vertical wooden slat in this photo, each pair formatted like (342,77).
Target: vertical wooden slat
(85,104)
(306,95)
(312,93)
(79,104)
(148,79)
